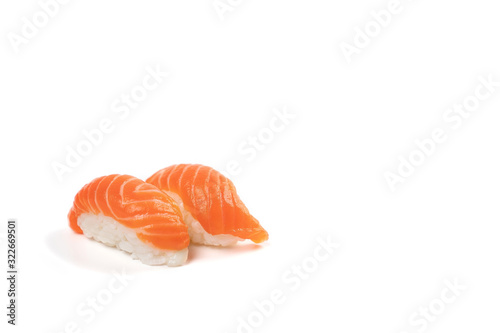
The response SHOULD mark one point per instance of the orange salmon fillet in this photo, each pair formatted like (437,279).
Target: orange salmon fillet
(155,217)
(212,200)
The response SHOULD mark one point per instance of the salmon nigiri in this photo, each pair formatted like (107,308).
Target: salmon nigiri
(213,211)
(134,216)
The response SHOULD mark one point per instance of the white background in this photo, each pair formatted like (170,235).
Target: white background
(323,175)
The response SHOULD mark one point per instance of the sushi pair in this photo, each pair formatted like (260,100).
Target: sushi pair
(156,220)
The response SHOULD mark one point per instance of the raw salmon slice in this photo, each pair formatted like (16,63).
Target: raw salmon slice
(212,209)
(134,216)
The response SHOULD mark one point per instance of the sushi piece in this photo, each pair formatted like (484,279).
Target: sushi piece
(134,216)
(213,211)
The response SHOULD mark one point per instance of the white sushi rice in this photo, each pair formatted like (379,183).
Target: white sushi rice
(108,231)
(197,233)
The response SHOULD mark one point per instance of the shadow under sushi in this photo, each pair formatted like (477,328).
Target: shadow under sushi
(84,253)
(78,250)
